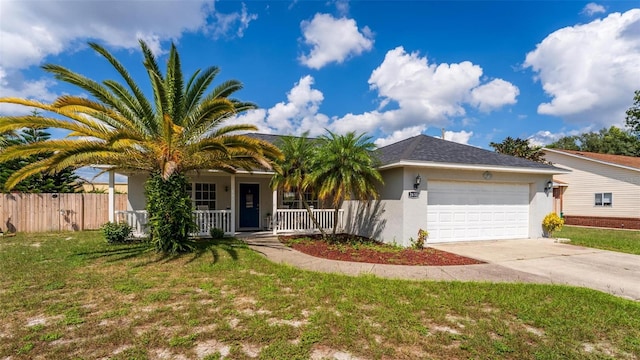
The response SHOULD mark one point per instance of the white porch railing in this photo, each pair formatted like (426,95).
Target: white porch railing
(205,221)
(298,220)
(209,219)
(137,219)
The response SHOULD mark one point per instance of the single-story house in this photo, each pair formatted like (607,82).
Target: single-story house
(456,192)
(600,190)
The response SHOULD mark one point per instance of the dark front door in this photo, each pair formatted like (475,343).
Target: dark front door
(249,205)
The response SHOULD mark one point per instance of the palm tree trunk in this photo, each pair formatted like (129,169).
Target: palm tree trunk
(313,218)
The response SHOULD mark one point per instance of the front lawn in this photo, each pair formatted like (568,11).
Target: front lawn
(71,295)
(626,241)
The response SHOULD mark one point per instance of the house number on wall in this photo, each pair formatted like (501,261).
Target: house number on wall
(414,194)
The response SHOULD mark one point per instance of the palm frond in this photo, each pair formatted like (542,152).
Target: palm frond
(174,86)
(147,110)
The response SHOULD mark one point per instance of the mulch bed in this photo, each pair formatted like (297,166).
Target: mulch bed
(351,248)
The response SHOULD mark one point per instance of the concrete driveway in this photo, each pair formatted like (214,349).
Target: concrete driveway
(612,272)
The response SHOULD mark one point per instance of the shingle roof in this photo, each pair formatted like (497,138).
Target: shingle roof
(266,137)
(630,161)
(430,149)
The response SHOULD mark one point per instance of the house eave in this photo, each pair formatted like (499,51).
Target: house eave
(592,160)
(473,167)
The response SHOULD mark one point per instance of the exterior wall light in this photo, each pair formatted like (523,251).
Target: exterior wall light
(548,186)
(416,185)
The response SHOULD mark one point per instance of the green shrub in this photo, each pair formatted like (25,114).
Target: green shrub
(116,232)
(170,213)
(421,241)
(552,223)
(217,233)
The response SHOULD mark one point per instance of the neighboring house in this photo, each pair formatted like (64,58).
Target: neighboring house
(456,192)
(601,189)
(103,187)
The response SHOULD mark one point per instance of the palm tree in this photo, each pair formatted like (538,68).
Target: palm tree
(294,168)
(180,129)
(344,168)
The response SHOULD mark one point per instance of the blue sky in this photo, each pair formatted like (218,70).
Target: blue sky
(481,70)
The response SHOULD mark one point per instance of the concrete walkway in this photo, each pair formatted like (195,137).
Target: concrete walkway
(531,261)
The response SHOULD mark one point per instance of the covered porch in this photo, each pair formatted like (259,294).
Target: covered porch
(234,203)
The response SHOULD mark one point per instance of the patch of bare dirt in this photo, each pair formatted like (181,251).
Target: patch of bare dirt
(349,248)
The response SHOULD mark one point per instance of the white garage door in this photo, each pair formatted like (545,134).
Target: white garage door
(464,211)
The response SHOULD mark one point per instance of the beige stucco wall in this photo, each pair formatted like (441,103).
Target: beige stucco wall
(589,177)
(398,217)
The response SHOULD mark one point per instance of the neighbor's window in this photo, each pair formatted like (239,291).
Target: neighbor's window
(603,199)
(203,196)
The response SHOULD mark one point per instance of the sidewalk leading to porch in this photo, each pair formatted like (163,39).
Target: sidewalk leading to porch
(274,250)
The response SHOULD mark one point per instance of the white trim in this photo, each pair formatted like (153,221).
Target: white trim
(242,172)
(509,169)
(274,210)
(590,159)
(112,196)
(233,204)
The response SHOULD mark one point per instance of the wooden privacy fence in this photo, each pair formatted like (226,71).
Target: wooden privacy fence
(56,212)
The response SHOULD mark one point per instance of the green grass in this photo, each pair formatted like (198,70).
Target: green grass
(68,296)
(626,241)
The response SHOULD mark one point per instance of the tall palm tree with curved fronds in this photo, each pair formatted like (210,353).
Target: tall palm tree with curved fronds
(181,128)
(294,169)
(345,168)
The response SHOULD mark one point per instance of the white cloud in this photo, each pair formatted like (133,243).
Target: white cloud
(343,7)
(14,85)
(333,40)
(592,8)
(590,71)
(297,115)
(226,23)
(400,135)
(546,137)
(32,30)
(425,94)
(494,95)
(461,137)
(414,94)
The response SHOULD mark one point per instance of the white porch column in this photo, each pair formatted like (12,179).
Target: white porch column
(274,208)
(233,203)
(112,196)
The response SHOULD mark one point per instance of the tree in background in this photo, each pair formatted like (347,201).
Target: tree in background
(633,115)
(519,148)
(180,128)
(606,141)
(65,181)
(344,168)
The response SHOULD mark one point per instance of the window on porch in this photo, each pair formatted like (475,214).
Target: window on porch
(203,196)
(290,200)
